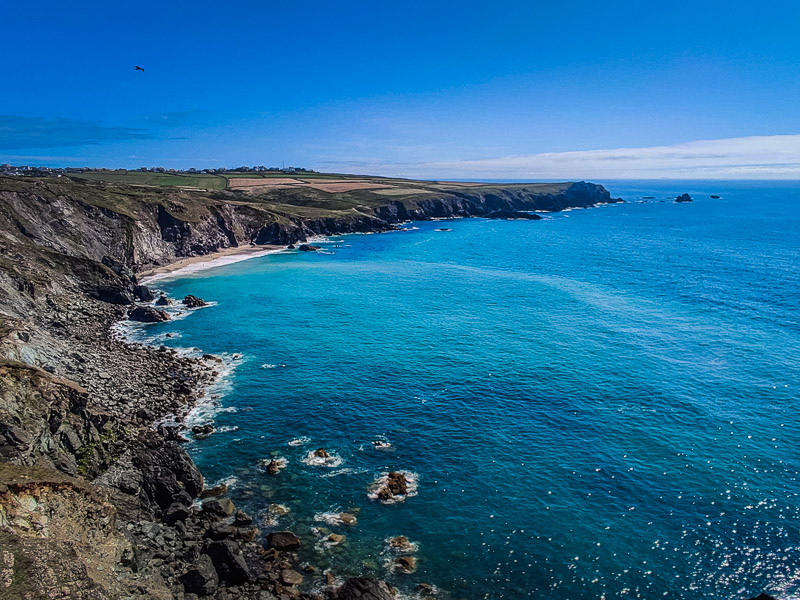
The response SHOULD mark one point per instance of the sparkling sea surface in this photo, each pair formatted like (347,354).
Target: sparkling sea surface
(601,404)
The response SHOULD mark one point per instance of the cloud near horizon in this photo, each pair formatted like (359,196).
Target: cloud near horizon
(757,157)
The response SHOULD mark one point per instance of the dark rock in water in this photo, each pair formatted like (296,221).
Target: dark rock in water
(683,198)
(285,541)
(321,453)
(512,214)
(274,467)
(163,300)
(405,564)
(397,484)
(193,301)
(715,197)
(143,293)
(202,579)
(648,197)
(228,561)
(308,248)
(444,229)
(203,431)
(148,314)
(290,247)
(219,506)
(364,588)
(114,294)
(217,490)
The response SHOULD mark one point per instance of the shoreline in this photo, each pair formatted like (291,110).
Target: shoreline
(195,264)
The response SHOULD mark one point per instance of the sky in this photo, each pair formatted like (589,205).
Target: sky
(501,89)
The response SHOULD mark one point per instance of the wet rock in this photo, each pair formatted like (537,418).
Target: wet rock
(335,538)
(405,564)
(291,577)
(715,197)
(308,248)
(274,467)
(213,492)
(364,588)
(290,247)
(228,561)
(396,485)
(401,544)
(148,314)
(202,579)
(114,294)
(285,541)
(219,506)
(683,198)
(321,453)
(143,293)
(347,518)
(163,300)
(193,301)
(203,431)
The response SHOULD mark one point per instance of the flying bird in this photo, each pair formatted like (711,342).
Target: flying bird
(137,68)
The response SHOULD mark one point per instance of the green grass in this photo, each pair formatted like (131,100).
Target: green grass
(202,180)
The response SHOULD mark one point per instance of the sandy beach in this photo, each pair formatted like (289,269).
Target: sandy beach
(193,264)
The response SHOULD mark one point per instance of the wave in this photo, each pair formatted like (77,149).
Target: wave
(330,461)
(301,441)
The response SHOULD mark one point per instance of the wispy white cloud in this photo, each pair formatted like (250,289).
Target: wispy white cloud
(757,157)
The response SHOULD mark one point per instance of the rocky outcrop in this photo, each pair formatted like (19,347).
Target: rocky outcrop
(513,214)
(148,314)
(683,198)
(193,302)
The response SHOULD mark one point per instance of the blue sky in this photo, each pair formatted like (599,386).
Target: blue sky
(431,89)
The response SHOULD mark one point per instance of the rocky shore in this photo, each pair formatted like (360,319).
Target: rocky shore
(98,498)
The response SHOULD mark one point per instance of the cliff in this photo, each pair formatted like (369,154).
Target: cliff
(95,500)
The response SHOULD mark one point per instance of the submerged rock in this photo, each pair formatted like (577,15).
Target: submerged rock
(683,198)
(148,314)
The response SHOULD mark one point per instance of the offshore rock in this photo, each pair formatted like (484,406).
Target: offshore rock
(512,214)
(307,248)
(163,300)
(193,301)
(683,198)
(148,314)
(364,588)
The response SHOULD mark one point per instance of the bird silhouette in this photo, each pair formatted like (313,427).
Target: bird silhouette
(137,68)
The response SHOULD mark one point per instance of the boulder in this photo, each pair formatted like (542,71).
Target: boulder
(163,300)
(290,247)
(291,577)
(148,314)
(321,453)
(365,588)
(308,248)
(347,518)
(405,564)
(213,492)
(114,294)
(193,301)
(273,467)
(285,541)
(715,197)
(228,561)
(176,512)
(683,198)
(335,538)
(143,293)
(202,579)
(219,506)
(203,431)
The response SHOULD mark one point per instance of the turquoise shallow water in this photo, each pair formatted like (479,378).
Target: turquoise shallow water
(603,403)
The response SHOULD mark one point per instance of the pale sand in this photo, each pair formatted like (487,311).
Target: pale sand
(194,264)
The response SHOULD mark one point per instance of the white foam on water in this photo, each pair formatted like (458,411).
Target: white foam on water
(299,441)
(330,517)
(345,471)
(334,460)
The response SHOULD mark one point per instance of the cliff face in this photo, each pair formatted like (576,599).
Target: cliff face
(142,227)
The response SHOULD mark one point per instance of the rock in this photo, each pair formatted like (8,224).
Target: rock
(683,198)
(401,544)
(715,197)
(202,579)
(274,467)
(176,512)
(242,519)
(228,561)
(291,577)
(364,588)
(405,564)
(219,506)
(396,485)
(143,293)
(308,248)
(220,530)
(336,538)
(163,300)
(290,247)
(114,294)
(148,314)
(166,472)
(217,490)
(321,453)
(512,214)
(347,518)
(762,596)
(426,588)
(285,541)
(193,301)
(203,431)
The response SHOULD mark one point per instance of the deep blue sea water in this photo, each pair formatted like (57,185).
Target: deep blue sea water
(601,404)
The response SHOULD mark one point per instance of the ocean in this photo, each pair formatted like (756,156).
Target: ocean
(601,404)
